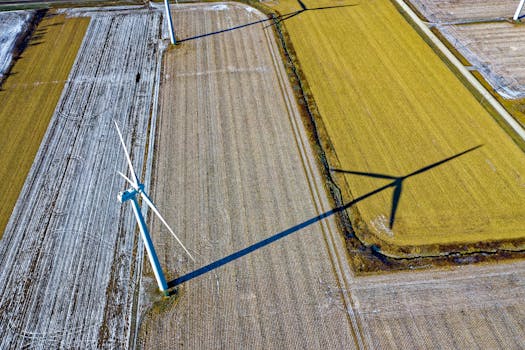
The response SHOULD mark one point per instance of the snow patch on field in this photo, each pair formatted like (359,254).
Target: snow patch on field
(381,224)
(220,7)
(101,11)
(12,25)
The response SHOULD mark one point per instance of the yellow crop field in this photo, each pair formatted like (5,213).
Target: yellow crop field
(29,97)
(428,169)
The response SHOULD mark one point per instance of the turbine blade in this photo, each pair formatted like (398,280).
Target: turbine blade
(395,202)
(135,183)
(148,201)
(126,178)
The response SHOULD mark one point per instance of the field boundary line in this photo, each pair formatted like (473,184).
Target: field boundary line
(334,245)
(461,68)
(148,170)
(456,274)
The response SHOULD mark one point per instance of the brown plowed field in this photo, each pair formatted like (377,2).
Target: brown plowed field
(495,50)
(234,169)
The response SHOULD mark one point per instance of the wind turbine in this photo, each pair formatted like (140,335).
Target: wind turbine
(131,194)
(170,23)
(518,10)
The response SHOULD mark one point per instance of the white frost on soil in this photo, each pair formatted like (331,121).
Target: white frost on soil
(220,7)
(380,223)
(12,25)
(227,70)
(68,270)
(100,11)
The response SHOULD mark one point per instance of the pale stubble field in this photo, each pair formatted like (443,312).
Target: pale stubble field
(233,169)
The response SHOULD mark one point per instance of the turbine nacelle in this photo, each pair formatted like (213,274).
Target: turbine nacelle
(126,195)
(131,192)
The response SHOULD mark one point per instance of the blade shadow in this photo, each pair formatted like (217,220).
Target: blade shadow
(433,165)
(224,30)
(275,19)
(396,196)
(397,184)
(398,180)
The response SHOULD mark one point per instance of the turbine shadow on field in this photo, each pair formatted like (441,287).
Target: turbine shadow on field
(285,17)
(276,19)
(396,183)
(52,25)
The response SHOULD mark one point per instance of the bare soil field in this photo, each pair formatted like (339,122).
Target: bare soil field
(469,307)
(28,98)
(461,11)
(235,176)
(424,168)
(495,50)
(480,35)
(70,260)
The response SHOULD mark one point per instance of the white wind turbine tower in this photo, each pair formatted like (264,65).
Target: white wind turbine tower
(170,23)
(518,10)
(131,194)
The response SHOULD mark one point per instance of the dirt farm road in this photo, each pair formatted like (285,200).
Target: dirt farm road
(234,169)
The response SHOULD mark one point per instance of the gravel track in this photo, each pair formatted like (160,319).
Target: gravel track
(70,257)
(233,168)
